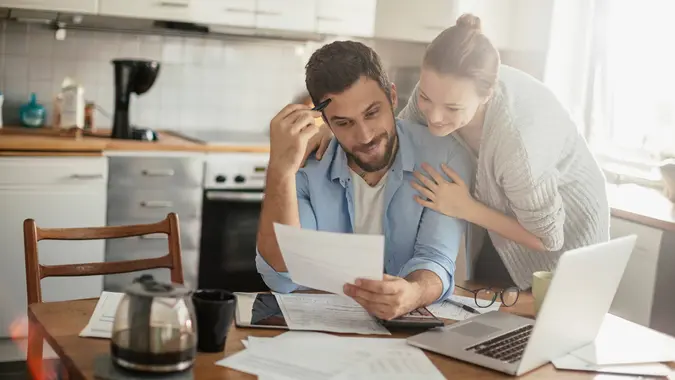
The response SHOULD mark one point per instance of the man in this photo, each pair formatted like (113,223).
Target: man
(362,184)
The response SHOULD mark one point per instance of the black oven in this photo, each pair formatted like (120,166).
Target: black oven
(231,209)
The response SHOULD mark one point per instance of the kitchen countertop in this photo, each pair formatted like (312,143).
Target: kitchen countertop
(642,205)
(17,141)
(631,202)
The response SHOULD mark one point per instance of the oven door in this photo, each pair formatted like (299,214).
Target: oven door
(228,242)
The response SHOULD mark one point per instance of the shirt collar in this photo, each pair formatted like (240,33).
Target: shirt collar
(404,160)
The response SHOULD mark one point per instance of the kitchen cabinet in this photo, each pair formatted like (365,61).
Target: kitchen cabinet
(291,15)
(144,189)
(173,10)
(634,298)
(55,192)
(418,21)
(241,13)
(496,18)
(423,20)
(74,6)
(348,17)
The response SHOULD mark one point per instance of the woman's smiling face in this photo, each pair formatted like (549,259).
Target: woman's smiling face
(448,102)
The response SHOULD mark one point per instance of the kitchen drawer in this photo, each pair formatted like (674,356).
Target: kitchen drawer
(190,231)
(154,205)
(156,172)
(32,171)
(190,261)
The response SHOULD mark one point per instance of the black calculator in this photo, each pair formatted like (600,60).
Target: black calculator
(418,319)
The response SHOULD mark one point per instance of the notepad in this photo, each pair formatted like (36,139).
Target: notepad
(327,260)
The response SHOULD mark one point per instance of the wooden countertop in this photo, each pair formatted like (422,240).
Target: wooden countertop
(631,202)
(642,205)
(16,141)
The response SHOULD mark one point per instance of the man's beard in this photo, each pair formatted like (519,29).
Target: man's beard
(371,167)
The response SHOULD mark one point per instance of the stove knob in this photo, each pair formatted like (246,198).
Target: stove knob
(239,179)
(220,178)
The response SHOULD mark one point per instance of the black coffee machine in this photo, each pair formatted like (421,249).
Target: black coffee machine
(131,76)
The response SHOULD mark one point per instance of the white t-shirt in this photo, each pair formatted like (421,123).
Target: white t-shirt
(368,205)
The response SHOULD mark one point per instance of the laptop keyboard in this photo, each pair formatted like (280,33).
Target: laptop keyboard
(508,348)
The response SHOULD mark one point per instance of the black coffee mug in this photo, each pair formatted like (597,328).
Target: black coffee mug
(214,310)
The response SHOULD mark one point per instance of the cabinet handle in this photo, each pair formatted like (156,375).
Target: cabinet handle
(86,176)
(234,196)
(322,18)
(173,4)
(158,173)
(238,10)
(156,204)
(268,13)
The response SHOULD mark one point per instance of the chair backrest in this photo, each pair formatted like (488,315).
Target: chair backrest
(36,272)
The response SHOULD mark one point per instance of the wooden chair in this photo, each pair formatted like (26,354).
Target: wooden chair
(35,272)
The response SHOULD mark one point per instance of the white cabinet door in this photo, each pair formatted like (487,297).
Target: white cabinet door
(634,298)
(79,203)
(495,18)
(348,17)
(173,10)
(419,21)
(74,6)
(224,12)
(292,15)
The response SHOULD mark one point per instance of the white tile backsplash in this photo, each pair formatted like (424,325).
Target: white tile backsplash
(234,83)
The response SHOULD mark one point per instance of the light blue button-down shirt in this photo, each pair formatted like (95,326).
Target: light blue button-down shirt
(415,237)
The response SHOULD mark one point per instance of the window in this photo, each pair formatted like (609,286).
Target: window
(632,115)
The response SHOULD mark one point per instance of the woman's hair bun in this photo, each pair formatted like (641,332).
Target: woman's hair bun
(469,21)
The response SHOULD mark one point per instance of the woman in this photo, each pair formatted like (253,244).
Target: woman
(538,190)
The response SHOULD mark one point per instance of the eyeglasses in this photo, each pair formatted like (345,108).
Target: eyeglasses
(484,297)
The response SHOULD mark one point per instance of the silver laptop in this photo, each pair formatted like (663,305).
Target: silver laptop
(578,298)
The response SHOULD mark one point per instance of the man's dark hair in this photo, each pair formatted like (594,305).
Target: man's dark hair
(335,67)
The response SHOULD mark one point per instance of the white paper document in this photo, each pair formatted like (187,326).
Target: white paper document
(327,260)
(622,342)
(571,362)
(293,355)
(101,321)
(450,311)
(327,312)
(294,359)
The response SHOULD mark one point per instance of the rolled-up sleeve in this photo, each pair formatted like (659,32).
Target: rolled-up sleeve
(281,281)
(439,236)
(538,206)
(532,193)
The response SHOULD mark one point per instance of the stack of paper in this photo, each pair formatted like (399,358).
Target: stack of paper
(623,347)
(450,311)
(309,355)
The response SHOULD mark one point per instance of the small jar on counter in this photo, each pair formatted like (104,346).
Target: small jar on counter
(89,111)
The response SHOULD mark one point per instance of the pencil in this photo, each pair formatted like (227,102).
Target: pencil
(322,105)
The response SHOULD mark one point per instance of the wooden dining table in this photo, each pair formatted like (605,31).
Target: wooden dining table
(61,322)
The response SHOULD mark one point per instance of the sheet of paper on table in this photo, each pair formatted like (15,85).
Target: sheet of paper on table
(327,312)
(571,362)
(101,321)
(327,260)
(450,311)
(623,342)
(291,356)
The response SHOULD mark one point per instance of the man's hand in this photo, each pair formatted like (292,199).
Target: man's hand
(386,299)
(290,131)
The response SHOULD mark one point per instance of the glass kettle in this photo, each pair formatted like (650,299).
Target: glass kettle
(154,328)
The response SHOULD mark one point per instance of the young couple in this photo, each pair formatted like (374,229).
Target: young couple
(481,151)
